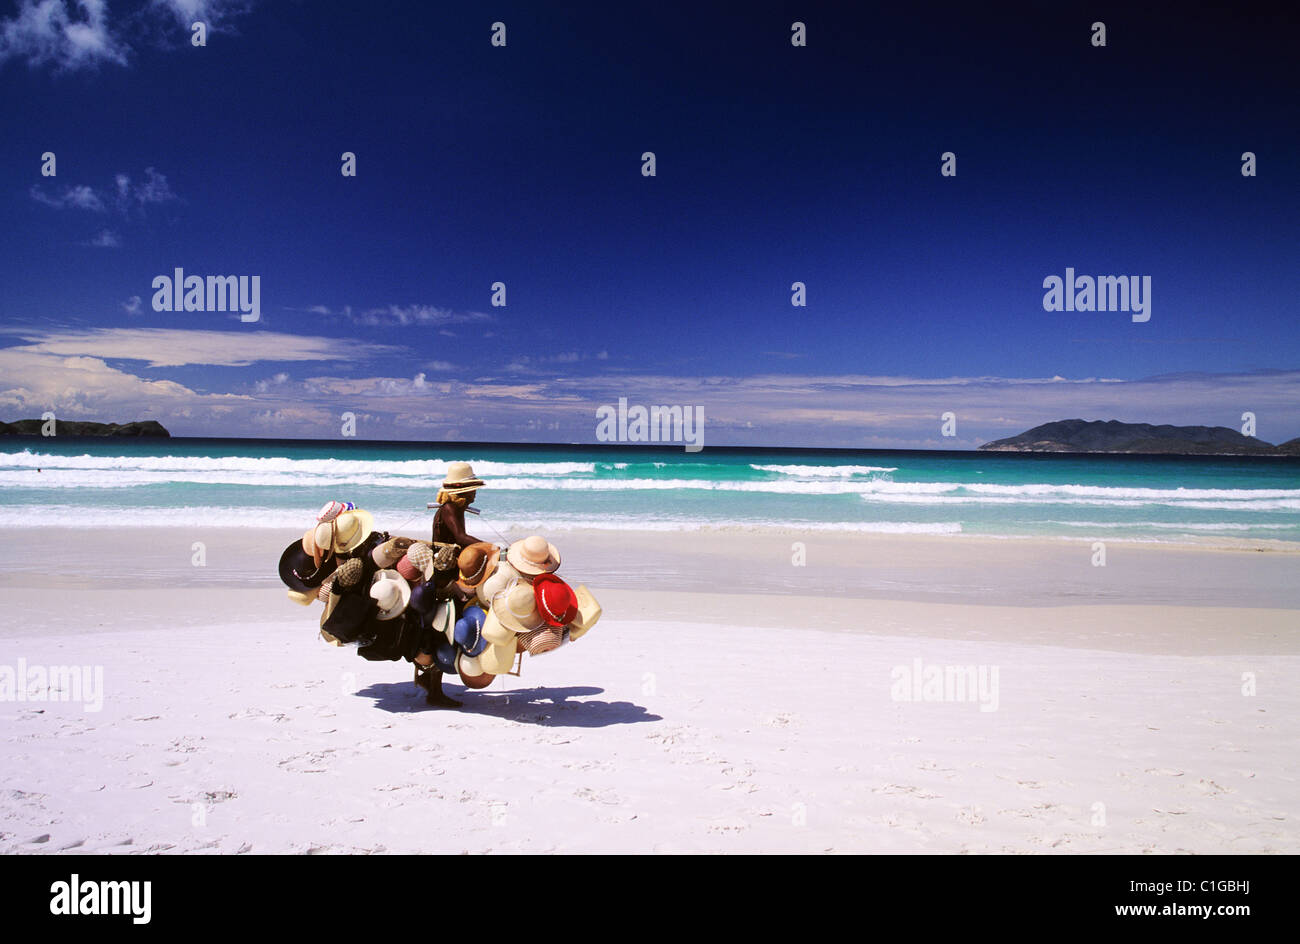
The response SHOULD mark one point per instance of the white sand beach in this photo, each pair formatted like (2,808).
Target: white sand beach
(756,707)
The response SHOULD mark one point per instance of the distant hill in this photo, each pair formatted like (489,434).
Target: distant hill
(140,428)
(1140,438)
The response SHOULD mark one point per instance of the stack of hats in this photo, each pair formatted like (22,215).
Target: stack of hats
(379,593)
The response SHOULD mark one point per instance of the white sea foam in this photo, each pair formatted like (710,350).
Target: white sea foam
(87,472)
(824,471)
(400,520)
(425,470)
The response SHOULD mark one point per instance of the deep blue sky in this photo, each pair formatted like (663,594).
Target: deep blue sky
(775,164)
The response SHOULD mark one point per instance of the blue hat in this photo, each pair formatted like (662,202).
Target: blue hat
(469,631)
(423,599)
(444,656)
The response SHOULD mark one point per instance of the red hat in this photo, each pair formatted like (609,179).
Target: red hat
(556,601)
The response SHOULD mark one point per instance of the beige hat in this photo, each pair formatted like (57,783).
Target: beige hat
(541,640)
(345,532)
(391,591)
(534,555)
(502,579)
(588,612)
(471,672)
(499,656)
(517,609)
(302,599)
(387,555)
(460,478)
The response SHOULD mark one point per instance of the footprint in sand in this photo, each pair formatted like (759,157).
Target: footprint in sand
(313,762)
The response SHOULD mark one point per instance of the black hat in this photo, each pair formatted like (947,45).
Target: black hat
(299,572)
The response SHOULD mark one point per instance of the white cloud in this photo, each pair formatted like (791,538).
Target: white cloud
(174,347)
(106,239)
(418,315)
(214,13)
(125,196)
(66,35)
(132,305)
(78,198)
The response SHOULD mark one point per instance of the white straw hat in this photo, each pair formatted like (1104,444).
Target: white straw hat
(391,591)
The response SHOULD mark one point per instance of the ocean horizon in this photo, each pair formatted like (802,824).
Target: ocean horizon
(279,483)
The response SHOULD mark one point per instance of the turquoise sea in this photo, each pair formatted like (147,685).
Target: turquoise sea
(279,484)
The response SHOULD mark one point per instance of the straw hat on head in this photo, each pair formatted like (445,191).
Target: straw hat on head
(534,555)
(344,533)
(471,672)
(391,592)
(460,478)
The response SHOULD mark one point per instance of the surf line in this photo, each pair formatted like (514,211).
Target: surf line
(1104,293)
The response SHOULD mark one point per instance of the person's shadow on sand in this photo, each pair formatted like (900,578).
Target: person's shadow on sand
(549,707)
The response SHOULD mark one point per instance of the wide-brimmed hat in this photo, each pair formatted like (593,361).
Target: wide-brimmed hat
(387,554)
(588,612)
(391,592)
(477,563)
(344,533)
(498,657)
(541,641)
(472,673)
(555,600)
(424,598)
(445,656)
(300,572)
(460,478)
(502,579)
(468,632)
(517,609)
(417,564)
(302,599)
(534,555)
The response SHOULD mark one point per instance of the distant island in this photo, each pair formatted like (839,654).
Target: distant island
(1139,438)
(137,429)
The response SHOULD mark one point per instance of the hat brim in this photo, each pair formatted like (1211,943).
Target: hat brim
(365,525)
(299,572)
(522,564)
(498,658)
(588,613)
(459,488)
(489,568)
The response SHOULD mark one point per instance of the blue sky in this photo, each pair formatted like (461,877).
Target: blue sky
(775,164)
